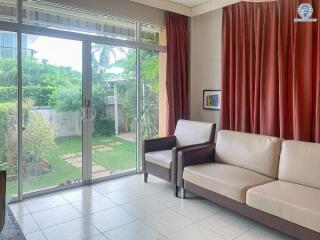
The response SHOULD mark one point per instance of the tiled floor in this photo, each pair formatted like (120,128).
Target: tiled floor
(128,209)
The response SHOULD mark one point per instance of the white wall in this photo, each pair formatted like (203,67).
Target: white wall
(205,62)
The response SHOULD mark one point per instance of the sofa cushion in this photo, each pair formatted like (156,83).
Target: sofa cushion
(192,132)
(254,152)
(227,180)
(161,158)
(295,203)
(300,163)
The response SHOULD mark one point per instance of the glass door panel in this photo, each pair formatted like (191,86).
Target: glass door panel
(8,109)
(153,94)
(114,101)
(52,123)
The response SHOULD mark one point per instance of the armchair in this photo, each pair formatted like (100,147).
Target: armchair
(160,155)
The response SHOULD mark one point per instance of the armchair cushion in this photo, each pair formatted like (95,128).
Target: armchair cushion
(193,132)
(162,158)
(227,180)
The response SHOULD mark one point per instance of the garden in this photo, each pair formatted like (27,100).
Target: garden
(52,126)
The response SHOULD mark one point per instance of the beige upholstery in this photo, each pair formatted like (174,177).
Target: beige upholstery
(227,180)
(161,158)
(254,152)
(300,163)
(295,203)
(192,132)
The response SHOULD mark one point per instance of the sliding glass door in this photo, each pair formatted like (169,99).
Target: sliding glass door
(51,105)
(114,102)
(8,109)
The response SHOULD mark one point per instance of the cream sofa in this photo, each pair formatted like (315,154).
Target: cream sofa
(272,181)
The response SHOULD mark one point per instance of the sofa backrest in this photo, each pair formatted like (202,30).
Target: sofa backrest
(193,132)
(300,163)
(254,152)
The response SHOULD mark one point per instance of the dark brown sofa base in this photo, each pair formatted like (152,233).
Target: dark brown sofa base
(158,171)
(274,222)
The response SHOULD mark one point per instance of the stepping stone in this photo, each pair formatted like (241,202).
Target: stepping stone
(70,155)
(98,146)
(74,160)
(101,174)
(77,165)
(98,168)
(115,143)
(104,149)
(106,140)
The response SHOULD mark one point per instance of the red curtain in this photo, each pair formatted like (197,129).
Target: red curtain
(270,70)
(177,68)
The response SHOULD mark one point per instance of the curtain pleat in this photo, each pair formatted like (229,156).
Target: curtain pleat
(270,70)
(177,68)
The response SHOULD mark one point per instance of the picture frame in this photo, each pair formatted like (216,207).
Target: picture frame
(212,99)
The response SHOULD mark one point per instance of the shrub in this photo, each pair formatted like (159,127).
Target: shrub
(5,109)
(66,99)
(38,140)
(40,95)
(105,127)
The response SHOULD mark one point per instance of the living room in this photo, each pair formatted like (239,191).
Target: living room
(167,119)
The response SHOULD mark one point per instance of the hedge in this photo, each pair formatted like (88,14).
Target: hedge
(4,112)
(40,95)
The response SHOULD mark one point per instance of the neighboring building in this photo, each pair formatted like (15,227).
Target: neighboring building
(8,45)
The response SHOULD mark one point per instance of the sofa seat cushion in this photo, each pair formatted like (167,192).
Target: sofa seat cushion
(227,180)
(161,158)
(295,203)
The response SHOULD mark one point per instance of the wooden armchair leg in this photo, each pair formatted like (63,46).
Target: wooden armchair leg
(145,177)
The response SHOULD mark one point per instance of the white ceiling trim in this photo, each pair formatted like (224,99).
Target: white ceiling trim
(191,11)
(167,5)
(210,6)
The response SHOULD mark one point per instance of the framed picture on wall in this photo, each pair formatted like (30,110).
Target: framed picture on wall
(212,99)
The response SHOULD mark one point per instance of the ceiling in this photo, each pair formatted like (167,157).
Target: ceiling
(189,8)
(190,3)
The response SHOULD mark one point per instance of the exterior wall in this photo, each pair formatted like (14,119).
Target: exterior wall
(64,124)
(205,63)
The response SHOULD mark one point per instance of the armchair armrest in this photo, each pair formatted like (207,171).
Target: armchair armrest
(192,156)
(159,144)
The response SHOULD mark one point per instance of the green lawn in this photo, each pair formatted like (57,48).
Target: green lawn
(118,157)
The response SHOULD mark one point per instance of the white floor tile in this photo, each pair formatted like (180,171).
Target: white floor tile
(54,216)
(196,209)
(143,207)
(92,205)
(79,194)
(263,233)
(133,231)
(227,224)
(19,209)
(167,222)
(35,236)
(147,211)
(109,219)
(98,237)
(195,231)
(43,203)
(28,224)
(77,229)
